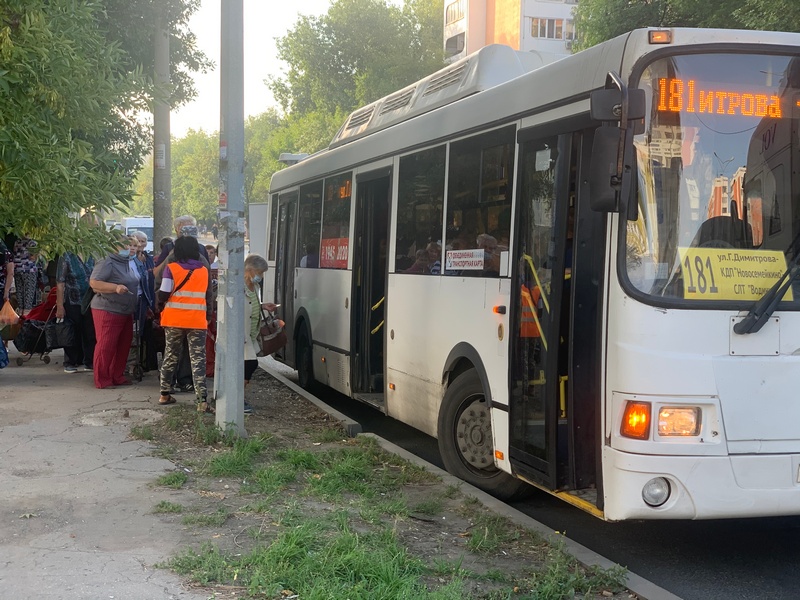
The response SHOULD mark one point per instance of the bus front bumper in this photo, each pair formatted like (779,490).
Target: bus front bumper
(702,487)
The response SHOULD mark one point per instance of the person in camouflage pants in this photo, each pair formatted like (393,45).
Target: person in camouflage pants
(186,300)
(196,340)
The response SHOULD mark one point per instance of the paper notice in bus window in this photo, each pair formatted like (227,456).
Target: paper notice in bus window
(729,274)
(333,253)
(464,260)
(543,160)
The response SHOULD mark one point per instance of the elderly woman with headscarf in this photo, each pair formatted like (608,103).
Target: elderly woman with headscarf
(115,281)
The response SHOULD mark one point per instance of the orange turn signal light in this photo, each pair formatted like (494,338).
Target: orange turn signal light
(499,310)
(498,454)
(391,386)
(660,37)
(636,420)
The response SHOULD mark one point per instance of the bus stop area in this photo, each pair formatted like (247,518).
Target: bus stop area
(78,496)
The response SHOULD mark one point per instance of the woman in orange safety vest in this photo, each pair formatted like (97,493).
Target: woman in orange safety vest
(185,294)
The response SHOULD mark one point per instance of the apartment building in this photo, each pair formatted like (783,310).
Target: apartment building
(544,28)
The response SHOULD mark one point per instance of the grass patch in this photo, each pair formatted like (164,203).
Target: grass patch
(175,480)
(431,506)
(165,507)
(491,532)
(142,432)
(328,436)
(319,559)
(272,479)
(563,577)
(203,520)
(236,462)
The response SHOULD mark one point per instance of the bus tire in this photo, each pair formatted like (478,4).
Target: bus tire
(305,362)
(465,439)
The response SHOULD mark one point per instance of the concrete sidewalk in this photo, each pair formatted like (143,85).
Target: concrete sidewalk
(76,501)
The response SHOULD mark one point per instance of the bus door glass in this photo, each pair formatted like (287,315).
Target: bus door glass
(284,268)
(373,195)
(538,368)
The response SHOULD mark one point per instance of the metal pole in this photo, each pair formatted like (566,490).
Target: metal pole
(162,180)
(229,367)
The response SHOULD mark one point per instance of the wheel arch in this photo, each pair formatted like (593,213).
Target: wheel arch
(462,358)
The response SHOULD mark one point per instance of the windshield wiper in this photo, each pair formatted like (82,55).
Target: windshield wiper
(766,305)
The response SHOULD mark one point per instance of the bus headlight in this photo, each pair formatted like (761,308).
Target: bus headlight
(656,491)
(679,420)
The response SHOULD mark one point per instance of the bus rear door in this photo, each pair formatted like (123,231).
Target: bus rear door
(284,270)
(373,195)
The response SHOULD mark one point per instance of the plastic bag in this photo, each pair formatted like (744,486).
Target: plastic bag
(8,316)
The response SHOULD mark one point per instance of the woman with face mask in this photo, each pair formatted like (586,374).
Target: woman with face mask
(254,268)
(115,281)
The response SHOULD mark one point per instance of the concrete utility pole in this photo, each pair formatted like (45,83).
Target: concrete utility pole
(162,180)
(229,367)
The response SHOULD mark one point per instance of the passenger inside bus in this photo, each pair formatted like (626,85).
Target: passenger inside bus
(310,259)
(420,264)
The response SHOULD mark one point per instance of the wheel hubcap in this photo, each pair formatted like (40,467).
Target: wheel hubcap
(474,435)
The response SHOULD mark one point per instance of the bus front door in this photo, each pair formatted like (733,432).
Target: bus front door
(284,271)
(538,369)
(555,373)
(373,195)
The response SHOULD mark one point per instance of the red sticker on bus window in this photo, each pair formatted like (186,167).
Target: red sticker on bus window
(333,253)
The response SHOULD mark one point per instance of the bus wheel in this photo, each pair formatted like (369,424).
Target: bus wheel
(305,362)
(465,439)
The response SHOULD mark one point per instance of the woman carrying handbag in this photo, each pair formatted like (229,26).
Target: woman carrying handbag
(254,268)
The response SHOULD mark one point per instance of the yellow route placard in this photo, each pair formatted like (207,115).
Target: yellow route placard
(730,274)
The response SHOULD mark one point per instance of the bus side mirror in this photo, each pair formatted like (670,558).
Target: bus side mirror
(610,174)
(603,185)
(607,105)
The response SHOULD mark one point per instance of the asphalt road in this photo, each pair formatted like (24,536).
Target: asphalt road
(743,559)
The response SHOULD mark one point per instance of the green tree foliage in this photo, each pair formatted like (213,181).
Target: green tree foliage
(195,175)
(130,24)
(600,20)
(61,92)
(770,15)
(74,77)
(358,52)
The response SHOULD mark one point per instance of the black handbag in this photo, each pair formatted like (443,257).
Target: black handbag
(59,333)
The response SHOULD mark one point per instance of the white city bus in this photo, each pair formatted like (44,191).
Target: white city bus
(577,276)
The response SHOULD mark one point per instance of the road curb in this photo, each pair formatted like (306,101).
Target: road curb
(644,589)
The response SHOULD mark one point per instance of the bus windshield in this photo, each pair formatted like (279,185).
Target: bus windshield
(718,187)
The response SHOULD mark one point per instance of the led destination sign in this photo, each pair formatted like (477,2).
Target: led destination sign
(677,95)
